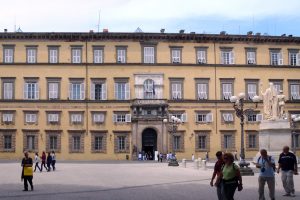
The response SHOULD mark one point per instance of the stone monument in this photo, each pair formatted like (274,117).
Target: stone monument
(274,129)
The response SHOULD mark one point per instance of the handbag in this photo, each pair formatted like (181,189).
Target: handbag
(28,171)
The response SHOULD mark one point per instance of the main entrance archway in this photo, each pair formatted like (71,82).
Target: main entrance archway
(149,142)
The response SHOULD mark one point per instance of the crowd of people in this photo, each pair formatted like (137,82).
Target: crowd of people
(228,176)
(27,166)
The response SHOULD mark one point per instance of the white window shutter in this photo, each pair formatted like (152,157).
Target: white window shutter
(127,91)
(209,117)
(230,117)
(196,117)
(128,118)
(92,91)
(70,91)
(116,91)
(221,57)
(298,59)
(184,117)
(34,117)
(280,59)
(36,91)
(231,57)
(225,117)
(26,91)
(259,117)
(104,91)
(115,118)
(82,91)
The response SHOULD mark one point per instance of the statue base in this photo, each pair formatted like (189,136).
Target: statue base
(273,136)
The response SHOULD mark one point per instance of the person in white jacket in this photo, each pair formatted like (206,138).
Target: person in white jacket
(36,161)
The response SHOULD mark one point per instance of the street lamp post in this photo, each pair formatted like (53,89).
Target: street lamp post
(173,124)
(294,120)
(238,105)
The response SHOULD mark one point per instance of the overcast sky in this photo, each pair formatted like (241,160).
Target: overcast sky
(273,17)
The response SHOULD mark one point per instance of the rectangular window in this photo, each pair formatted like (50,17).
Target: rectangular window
(202,142)
(7,117)
(176,142)
(202,90)
(76,55)
(121,117)
(53,55)
(30,117)
(228,141)
(227,117)
(31,55)
(276,57)
(251,90)
(254,117)
(53,142)
(121,55)
(121,143)
(176,88)
(251,57)
(53,90)
(122,91)
(201,56)
(53,117)
(227,57)
(98,117)
(278,85)
(204,117)
(296,140)
(8,55)
(98,143)
(98,55)
(295,91)
(226,91)
(252,141)
(76,143)
(76,90)
(76,118)
(8,89)
(31,90)
(7,142)
(98,90)
(176,55)
(149,54)
(30,142)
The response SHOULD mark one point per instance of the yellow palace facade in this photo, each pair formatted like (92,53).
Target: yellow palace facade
(103,96)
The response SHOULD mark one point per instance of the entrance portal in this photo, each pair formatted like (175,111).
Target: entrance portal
(149,143)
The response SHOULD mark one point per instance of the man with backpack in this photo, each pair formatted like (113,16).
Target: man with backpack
(266,164)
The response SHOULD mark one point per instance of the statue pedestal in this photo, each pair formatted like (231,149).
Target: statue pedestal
(273,136)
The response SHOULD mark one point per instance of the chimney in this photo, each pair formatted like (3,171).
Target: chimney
(223,33)
(162,30)
(249,33)
(105,30)
(5,30)
(181,31)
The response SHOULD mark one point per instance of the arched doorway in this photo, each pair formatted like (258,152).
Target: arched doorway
(149,142)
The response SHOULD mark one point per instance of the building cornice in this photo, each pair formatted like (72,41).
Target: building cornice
(146,37)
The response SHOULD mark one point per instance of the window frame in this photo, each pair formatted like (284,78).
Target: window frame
(11,81)
(73,59)
(8,47)
(297,83)
(81,83)
(123,59)
(51,48)
(226,81)
(203,60)
(254,82)
(177,81)
(30,92)
(126,89)
(101,49)
(179,57)
(35,50)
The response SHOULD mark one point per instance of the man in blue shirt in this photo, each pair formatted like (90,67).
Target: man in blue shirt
(266,164)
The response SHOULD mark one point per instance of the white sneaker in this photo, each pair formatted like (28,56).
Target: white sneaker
(293,195)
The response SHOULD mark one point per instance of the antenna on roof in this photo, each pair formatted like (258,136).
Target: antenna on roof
(98,24)
(15,26)
(19,30)
(138,30)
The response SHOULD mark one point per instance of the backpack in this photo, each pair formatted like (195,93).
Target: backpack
(273,165)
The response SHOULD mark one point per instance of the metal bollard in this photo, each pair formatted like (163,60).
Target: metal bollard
(184,163)
(204,164)
(196,166)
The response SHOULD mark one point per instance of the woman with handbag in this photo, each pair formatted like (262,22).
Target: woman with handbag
(27,173)
(230,178)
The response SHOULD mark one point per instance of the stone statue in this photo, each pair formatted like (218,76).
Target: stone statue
(270,103)
(281,103)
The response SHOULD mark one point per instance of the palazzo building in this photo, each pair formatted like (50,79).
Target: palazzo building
(103,96)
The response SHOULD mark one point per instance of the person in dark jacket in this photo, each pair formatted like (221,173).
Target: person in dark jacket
(43,161)
(27,173)
(49,161)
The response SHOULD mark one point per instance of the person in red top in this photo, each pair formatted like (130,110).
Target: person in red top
(217,171)
(43,161)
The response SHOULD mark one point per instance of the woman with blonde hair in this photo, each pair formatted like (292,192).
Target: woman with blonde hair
(230,177)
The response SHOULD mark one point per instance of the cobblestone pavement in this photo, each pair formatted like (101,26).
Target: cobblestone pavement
(124,180)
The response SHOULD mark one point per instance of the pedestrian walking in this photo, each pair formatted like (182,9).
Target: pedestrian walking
(43,161)
(207,156)
(49,162)
(36,161)
(230,178)
(217,171)
(193,157)
(266,164)
(161,157)
(27,173)
(288,165)
(157,156)
(53,160)
(235,155)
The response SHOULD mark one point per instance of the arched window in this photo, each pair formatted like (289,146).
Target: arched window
(149,89)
